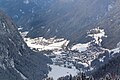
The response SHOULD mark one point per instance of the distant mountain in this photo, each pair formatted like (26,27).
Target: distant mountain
(17,9)
(17,61)
(110,22)
(69,19)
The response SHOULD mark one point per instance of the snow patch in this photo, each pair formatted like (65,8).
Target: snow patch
(3,25)
(84,64)
(41,43)
(20,28)
(116,50)
(97,34)
(26,1)
(2,66)
(102,59)
(110,7)
(80,47)
(24,78)
(58,71)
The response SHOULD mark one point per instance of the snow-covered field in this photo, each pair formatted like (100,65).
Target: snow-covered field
(58,71)
(80,47)
(41,43)
(57,45)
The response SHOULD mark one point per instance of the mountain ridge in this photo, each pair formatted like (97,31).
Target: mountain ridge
(17,61)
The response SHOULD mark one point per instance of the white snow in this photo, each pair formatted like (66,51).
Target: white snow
(116,50)
(48,30)
(97,34)
(84,64)
(19,53)
(16,16)
(91,68)
(25,78)
(11,41)
(80,47)
(57,52)
(89,62)
(110,7)
(56,30)
(20,10)
(102,59)
(2,66)
(12,63)
(41,43)
(118,45)
(20,28)
(58,71)
(42,27)
(26,1)
(23,12)
(57,45)
(23,34)
(3,25)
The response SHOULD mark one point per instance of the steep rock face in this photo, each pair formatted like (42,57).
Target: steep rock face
(17,61)
(111,24)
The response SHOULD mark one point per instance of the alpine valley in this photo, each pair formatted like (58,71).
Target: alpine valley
(60,40)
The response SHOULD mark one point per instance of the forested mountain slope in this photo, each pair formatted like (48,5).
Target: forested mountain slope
(17,61)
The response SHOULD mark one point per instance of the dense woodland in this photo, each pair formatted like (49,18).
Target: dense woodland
(82,76)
